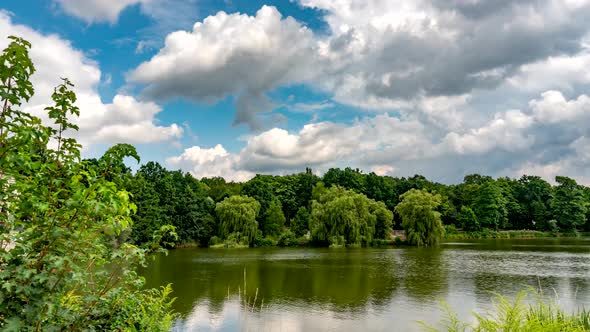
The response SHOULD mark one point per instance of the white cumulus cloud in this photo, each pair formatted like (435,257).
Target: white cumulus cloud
(93,11)
(125,119)
(231,54)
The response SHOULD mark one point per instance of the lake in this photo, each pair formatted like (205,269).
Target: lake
(364,289)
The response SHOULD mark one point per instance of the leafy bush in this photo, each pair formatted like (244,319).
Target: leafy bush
(516,315)
(381,243)
(303,240)
(233,241)
(337,241)
(288,239)
(215,241)
(450,230)
(261,241)
(61,215)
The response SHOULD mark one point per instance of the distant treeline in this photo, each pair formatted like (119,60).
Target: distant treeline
(343,207)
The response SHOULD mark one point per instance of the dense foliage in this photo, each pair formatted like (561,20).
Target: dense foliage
(305,207)
(420,219)
(63,266)
(517,315)
(237,215)
(341,216)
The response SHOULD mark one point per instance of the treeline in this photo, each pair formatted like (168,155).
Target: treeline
(344,207)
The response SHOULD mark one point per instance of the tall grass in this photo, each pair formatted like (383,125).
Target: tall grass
(516,316)
(451,233)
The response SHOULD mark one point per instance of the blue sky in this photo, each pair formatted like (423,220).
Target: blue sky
(234,88)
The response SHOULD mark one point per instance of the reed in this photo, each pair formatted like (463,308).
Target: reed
(517,315)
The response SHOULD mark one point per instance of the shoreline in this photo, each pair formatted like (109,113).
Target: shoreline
(510,234)
(398,241)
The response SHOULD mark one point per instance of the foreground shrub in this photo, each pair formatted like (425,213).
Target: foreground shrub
(62,219)
(518,316)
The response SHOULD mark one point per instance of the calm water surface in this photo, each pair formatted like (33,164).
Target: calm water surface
(364,289)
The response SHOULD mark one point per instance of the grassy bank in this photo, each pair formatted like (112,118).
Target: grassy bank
(453,234)
(517,315)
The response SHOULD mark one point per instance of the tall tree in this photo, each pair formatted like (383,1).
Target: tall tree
(237,214)
(490,206)
(285,190)
(468,220)
(514,210)
(261,189)
(148,218)
(533,194)
(274,220)
(477,179)
(305,184)
(194,214)
(338,213)
(568,204)
(348,178)
(300,223)
(420,219)
(218,189)
(383,219)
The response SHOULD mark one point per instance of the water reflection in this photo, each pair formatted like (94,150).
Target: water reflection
(370,289)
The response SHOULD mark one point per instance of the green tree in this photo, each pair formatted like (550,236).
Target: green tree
(490,206)
(191,211)
(285,190)
(383,221)
(468,220)
(60,214)
(218,189)
(341,216)
(237,214)
(514,210)
(381,188)
(420,219)
(477,179)
(148,218)
(275,220)
(305,183)
(194,215)
(587,200)
(348,178)
(171,197)
(568,204)
(300,223)
(533,194)
(261,189)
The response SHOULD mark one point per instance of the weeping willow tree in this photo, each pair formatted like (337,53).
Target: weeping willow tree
(384,220)
(237,214)
(343,217)
(420,219)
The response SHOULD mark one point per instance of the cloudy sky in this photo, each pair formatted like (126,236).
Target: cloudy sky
(232,88)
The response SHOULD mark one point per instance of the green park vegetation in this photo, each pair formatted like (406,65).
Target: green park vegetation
(63,219)
(78,229)
(346,207)
(517,315)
